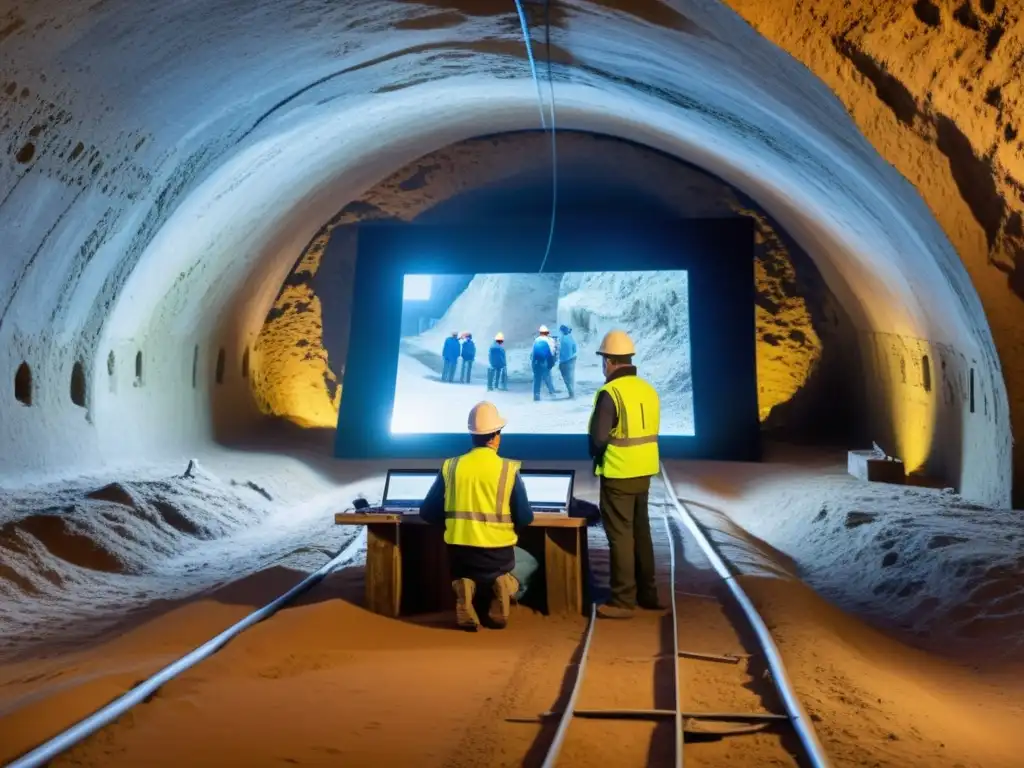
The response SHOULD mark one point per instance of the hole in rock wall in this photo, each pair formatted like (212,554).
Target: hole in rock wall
(23,384)
(220,367)
(903,370)
(971,390)
(928,12)
(138,368)
(245,364)
(926,373)
(195,365)
(111,363)
(78,385)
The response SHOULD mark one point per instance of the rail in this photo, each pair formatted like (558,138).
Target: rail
(103,717)
(571,712)
(795,713)
(794,709)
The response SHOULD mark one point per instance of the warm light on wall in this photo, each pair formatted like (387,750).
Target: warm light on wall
(912,400)
(291,376)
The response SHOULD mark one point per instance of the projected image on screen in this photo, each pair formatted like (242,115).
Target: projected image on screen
(449,359)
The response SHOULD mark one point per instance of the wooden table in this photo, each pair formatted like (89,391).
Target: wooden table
(407,562)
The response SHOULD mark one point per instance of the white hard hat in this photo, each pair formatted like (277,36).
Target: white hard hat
(499,336)
(543,329)
(484,419)
(617,343)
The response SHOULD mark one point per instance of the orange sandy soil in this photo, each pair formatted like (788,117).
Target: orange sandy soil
(327,683)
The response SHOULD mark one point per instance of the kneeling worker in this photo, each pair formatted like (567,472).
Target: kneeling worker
(624,445)
(481,500)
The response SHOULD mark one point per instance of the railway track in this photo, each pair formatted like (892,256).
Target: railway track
(703,658)
(703,677)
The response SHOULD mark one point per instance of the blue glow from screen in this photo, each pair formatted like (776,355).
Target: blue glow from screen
(416,288)
(449,358)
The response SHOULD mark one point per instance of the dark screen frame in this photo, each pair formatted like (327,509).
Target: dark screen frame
(718,255)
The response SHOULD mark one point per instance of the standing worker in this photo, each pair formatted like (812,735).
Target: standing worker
(497,373)
(542,360)
(480,499)
(624,445)
(468,356)
(450,356)
(567,352)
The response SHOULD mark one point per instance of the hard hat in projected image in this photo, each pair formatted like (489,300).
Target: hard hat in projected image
(484,419)
(543,329)
(499,336)
(617,343)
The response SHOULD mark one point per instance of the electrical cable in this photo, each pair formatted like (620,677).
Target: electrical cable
(44,753)
(540,103)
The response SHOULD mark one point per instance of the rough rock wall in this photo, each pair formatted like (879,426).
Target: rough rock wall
(936,86)
(797,318)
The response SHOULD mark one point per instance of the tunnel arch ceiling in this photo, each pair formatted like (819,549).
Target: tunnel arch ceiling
(213,185)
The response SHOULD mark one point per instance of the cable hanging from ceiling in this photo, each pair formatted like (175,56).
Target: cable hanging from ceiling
(540,103)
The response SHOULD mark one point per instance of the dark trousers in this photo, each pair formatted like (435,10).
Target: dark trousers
(497,378)
(631,550)
(568,371)
(467,371)
(448,372)
(542,375)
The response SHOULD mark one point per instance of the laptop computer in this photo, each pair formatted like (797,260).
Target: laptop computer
(549,490)
(405,490)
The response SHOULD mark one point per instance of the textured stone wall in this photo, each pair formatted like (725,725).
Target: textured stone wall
(165,164)
(937,87)
(796,314)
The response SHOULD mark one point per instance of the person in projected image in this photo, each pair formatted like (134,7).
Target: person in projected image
(542,360)
(623,437)
(450,357)
(567,352)
(481,501)
(497,373)
(468,356)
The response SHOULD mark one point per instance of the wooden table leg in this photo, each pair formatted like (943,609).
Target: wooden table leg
(383,569)
(426,587)
(562,564)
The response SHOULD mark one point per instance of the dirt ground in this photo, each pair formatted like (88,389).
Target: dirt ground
(325,682)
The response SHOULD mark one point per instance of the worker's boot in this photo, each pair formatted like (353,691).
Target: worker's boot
(650,602)
(465,613)
(505,586)
(606,611)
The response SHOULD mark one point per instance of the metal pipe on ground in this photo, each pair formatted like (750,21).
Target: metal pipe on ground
(62,742)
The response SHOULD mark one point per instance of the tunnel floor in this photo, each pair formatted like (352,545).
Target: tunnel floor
(794,521)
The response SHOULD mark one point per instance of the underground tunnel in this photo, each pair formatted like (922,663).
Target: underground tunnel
(184,193)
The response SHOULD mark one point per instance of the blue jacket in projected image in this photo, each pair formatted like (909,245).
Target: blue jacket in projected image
(567,349)
(542,352)
(469,350)
(451,349)
(496,356)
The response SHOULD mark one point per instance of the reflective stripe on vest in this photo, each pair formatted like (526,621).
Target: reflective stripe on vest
(633,444)
(477,496)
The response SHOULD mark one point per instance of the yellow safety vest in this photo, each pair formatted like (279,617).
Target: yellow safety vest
(633,445)
(477,493)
